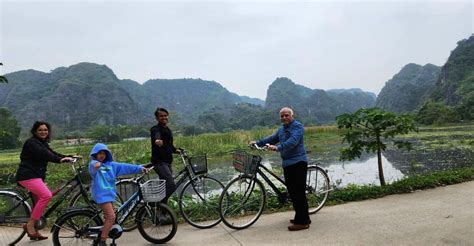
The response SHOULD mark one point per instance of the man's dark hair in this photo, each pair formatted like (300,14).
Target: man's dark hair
(37,124)
(162,110)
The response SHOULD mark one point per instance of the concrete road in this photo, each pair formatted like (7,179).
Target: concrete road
(441,216)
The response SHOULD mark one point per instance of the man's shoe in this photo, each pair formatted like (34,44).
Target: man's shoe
(297,227)
(293,221)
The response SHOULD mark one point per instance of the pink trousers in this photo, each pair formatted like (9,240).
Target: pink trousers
(41,194)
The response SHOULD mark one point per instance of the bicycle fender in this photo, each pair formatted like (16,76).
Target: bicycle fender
(16,194)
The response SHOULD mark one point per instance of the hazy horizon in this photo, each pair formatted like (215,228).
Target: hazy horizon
(244,46)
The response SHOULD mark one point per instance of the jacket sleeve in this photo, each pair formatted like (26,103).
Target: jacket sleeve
(41,152)
(273,139)
(154,134)
(92,169)
(125,168)
(295,135)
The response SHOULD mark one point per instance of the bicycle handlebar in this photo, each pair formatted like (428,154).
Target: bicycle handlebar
(255,146)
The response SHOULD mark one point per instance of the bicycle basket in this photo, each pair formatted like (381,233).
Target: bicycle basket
(198,164)
(83,174)
(246,163)
(153,190)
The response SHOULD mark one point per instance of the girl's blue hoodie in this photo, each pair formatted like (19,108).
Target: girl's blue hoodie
(104,178)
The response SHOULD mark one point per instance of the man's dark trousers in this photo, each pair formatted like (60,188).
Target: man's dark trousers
(163,170)
(295,179)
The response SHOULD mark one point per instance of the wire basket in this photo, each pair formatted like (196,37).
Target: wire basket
(246,163)
(198,164)
(83,174)
(153,190)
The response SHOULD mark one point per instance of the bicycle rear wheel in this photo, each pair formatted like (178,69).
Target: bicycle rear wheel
(199,201)
(317,188)
(242,202)
(14,213)
(72,228)
(156,223)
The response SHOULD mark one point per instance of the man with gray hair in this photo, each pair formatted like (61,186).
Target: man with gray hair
(288,140)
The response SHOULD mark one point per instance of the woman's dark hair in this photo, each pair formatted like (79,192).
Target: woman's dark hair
(162,110)
(37,124)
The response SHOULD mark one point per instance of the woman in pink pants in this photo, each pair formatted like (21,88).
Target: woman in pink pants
(31,173)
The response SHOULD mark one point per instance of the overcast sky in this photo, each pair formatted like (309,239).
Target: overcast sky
(244,46)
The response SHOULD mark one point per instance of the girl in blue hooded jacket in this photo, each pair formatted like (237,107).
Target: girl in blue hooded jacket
(104,172)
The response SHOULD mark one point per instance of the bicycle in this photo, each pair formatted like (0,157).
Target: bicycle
(198,200)
(243,199)
(15,209)
(78,226)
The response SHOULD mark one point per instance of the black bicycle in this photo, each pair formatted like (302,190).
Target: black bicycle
(243,199)
(198,193)
(156,222)
(15,210)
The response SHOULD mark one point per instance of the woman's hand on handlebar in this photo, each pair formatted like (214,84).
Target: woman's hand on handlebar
(67,159)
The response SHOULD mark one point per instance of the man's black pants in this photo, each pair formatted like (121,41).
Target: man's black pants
(295,179)
(164,172)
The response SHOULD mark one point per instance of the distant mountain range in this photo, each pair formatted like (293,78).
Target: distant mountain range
(87,94)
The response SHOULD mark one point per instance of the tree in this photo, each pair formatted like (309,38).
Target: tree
(370,130)
(103,133)
(437,113)
(9,130)
(2,78)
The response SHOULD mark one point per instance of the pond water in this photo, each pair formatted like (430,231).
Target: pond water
(363,171)
(396,165)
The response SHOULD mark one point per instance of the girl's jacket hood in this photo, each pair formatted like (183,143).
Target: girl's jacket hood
(99,147)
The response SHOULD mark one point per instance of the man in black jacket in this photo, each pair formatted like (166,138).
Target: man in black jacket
(162,150)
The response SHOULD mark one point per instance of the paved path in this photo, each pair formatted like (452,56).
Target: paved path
(441,216)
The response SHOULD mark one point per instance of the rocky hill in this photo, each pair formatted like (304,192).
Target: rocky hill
(409,88)
(315,105)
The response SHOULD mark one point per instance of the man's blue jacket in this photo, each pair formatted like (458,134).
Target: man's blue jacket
(290,143)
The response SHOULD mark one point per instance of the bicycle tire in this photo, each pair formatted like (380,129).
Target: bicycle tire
(11,224)
(125,189)
(156,217)
(242,202)
(199,203)
(317,188)
(75,224)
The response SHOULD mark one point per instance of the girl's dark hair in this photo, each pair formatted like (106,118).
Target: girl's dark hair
(37,124)
(162,110)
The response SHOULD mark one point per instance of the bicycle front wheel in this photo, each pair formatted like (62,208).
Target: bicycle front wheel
(242,202)
(13,214)
(199,201)
(156,223)
(317,188)
(72,228)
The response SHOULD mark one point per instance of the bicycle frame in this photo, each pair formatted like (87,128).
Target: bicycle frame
(69,186)
(62,197)
(128,207)
(269,182)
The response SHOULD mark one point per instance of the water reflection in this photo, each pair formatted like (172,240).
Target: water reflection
(362,172)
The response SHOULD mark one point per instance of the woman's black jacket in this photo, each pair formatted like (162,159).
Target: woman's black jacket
(34,157)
